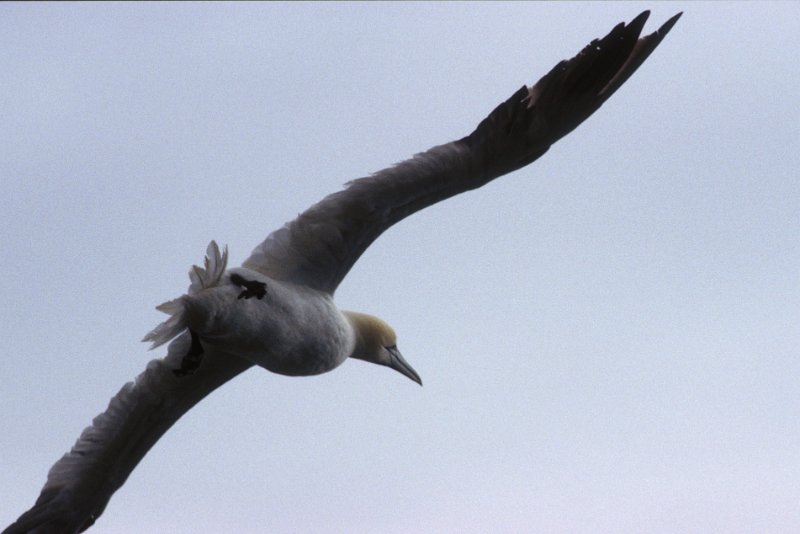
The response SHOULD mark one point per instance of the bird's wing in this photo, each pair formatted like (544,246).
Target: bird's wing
(80,484)
(320,246)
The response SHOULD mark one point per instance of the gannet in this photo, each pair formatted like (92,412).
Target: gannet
(277,310)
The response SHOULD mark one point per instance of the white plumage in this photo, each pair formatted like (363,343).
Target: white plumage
(277,310)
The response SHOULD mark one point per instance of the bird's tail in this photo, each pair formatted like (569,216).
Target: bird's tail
(80,484)
(201,278)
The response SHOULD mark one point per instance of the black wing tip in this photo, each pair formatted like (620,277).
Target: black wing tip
(667,26)
(639,20)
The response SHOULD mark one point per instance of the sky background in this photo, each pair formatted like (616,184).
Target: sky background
(608,338)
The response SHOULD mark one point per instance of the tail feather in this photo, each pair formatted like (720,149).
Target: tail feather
(170,328)
(201,278)
(215,264)
(80,484)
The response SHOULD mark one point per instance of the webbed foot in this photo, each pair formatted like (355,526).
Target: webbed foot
(252,288)
(191,362)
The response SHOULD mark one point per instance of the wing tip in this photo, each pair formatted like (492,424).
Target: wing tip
(639,21)
(667,26)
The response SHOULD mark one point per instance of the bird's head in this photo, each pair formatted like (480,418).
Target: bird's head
(376,342)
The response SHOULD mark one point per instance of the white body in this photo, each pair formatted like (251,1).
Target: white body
(269,332)
(296,329)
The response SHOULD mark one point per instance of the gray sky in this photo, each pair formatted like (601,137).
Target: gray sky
(608,338)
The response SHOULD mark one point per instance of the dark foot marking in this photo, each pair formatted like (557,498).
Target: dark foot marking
(191,362)
(252,288)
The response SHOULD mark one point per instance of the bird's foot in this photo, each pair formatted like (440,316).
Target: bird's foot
(252,288)
(191,362)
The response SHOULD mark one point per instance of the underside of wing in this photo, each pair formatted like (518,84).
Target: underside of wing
(320,246)
(80,484)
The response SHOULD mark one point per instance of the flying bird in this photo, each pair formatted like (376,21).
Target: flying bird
(277,310)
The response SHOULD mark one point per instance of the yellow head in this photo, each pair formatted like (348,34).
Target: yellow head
(376,342)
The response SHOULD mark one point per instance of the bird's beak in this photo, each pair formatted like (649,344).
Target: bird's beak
(399,364)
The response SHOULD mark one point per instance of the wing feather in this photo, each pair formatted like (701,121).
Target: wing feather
(81,483)
(320,246)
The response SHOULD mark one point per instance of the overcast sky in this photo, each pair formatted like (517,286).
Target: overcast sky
(608,338)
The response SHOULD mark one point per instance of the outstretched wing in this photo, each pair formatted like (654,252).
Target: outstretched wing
(80,484)
(320,246)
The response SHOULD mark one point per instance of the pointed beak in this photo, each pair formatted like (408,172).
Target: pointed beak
(399,364)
